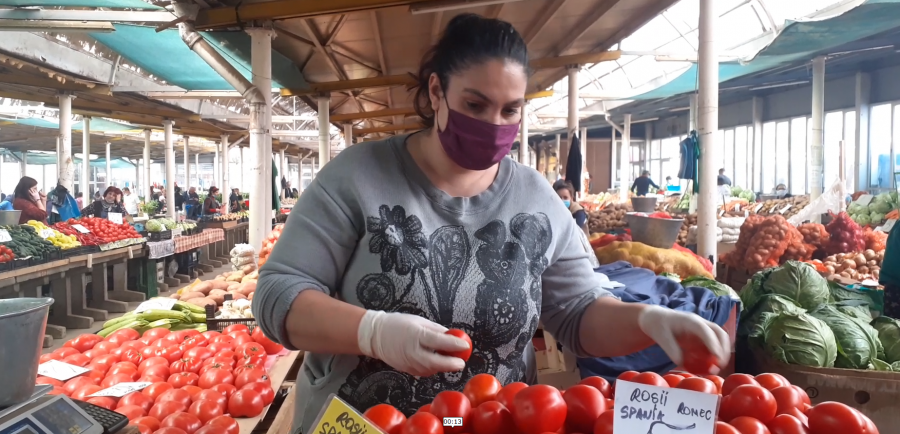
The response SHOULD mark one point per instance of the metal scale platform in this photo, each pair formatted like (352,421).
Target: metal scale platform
(47,414)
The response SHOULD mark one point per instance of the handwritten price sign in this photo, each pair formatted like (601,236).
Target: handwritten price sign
(647,409)
(337,417)
(60,370)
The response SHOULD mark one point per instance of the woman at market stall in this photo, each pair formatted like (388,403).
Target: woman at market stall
(211,205)
(236,200)
(30,201)
(396,241)
(109,203)
(566,191)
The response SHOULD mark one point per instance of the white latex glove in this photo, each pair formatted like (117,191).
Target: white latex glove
(408,343)
(665,325)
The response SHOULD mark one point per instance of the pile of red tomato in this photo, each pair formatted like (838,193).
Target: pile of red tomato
(200,381)
(765,404)
(106,230)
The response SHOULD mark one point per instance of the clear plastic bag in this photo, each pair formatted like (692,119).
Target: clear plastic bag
(243,250)
(831,200)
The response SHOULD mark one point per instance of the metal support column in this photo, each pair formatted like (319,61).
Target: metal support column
(108,165)
(624,159)
(170,169)
(348,135)
(85,182)
(187,164)
(147,182)
(260,137)
(223,171)
(65,164)
(758,169)
(692,112)
(708,126)
(197,168)
(324,136)
(584,166)
(863,96)
(572,121)
(556,149)
(816,142)
(613,155)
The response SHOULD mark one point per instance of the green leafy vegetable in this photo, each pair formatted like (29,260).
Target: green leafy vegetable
(798,338)
(796,280)
(889,335)
(858,343)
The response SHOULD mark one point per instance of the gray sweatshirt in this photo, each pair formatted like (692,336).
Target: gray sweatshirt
(373,231)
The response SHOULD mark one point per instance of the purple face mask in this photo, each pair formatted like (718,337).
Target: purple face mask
(475,144)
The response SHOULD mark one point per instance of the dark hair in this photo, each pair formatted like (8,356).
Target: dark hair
(564,185)
(79,194)
(112,190)
(468,40)
(213,190)
(23,186)
(721,170)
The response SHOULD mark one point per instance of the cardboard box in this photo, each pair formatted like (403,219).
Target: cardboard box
(874,393)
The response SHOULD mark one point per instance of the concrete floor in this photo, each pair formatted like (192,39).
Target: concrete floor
(71,333)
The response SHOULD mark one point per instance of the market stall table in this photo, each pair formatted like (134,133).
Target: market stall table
(278,375)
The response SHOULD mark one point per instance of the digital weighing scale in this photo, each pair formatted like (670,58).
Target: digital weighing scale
(47,414)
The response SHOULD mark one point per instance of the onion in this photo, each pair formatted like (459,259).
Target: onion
(848,264)
(863,269)
(869,254)
(860,260)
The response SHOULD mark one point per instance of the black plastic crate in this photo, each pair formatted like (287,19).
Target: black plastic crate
(22,263)
(6,266)
(80,251)
(218,325)
(161,236)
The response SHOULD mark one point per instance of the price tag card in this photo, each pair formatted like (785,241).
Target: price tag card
(156,303)
(721,212)
(888,225)
(115,217)
(785,209)
(758,207)
(4,236)
(737,207)
(60,370)
(121,389)
(338,417)
(81,229)
(45,233)
(648,409)
(865,199)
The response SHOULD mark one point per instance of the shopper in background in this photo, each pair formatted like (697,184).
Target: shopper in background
(444,231)
(236,200)
(192,194)
(30,201)
(97,195)
(6,203)
(101,208)
(890,275)
(179,198)
(723,183)
(79,199)
(211,205)
(641,185)
(566,191)
(130,201)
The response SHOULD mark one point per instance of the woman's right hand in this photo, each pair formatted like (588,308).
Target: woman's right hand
(409,343)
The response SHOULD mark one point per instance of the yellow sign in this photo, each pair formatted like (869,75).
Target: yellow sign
(340,418)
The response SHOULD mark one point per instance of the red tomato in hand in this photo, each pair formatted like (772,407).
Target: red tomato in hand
(698,384)
(600,384)
(735,380)
(787,424)
(451,403)
(384,416)
(749,400)
(509,392)
(422,423)
(538,409)
(245,403)
(749,425)
(834,417)
(584,405)
(482,388)
(184,421)
(698,360)
(463,354)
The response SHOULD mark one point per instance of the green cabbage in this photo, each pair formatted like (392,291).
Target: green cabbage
(876,217)
(796,280)
(798,338)
(716,287)
(889,335)
(880,207)
(857,341)
(855,208)
(860,312)
(862,219)
(153,226)
(754,321)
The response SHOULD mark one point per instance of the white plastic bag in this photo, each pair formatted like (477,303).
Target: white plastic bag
(830,200)
(243,250)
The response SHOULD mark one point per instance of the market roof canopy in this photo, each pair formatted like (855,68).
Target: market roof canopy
(98,125)
(122,4)
(166,56)
(43,159)
(796,41)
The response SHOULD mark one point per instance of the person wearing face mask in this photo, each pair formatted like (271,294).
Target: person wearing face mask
(108,204)
(31,201)
(566,191)
(397,240)
(781,191)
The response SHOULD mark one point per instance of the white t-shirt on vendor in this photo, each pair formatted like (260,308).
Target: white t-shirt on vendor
(131,203)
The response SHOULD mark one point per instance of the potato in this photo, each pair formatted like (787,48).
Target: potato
(217,295)
(237,295)
(247,269)
(254,275)
(185,296)
(235,277)
(220,278)
(247,288)
(176,296)
(233,287)
(220,284)
(201,301)
(250,297)
(203,287)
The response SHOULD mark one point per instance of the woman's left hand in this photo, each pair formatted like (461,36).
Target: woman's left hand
(665,326)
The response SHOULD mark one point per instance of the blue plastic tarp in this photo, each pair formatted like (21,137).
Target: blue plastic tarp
(642,286)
